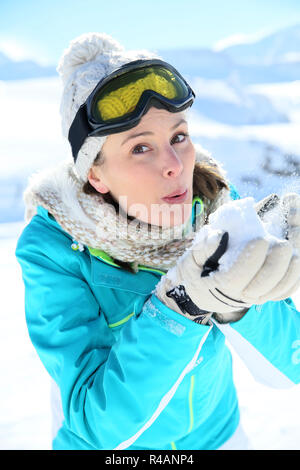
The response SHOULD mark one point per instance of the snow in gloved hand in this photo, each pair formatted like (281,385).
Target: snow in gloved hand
(239,218)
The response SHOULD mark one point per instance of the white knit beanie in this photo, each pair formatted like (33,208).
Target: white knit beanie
(89,58)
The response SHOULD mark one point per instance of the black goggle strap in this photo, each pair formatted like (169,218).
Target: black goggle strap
(78,131)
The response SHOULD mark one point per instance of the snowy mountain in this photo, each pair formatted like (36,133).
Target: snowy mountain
(281,47)
(205,63)
(229,102)
(23,69)
(275,58)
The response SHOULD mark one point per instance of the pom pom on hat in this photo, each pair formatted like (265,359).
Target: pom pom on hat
(88,59)
(85,48)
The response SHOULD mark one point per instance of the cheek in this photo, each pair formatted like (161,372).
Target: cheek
(133,181)
(189,158)
(116,174)
(141,185)
(192,152)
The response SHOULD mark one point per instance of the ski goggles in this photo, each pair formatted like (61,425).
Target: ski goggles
(120,100)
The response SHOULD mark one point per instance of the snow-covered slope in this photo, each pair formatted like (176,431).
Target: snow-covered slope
(30,138)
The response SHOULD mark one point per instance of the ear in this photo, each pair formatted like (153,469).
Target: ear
(95,180)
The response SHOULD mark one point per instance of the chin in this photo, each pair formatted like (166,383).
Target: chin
(176,215)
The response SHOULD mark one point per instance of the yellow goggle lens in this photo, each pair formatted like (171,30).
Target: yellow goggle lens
(124,100)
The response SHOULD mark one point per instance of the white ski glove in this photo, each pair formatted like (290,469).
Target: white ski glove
(220,277)
(281,218)
(291,209)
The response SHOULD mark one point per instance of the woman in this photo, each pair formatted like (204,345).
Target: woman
(125,307)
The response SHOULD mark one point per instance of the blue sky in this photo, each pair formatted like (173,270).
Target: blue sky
(41,29)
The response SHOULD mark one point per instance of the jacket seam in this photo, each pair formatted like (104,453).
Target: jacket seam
(191,392)
(167,397)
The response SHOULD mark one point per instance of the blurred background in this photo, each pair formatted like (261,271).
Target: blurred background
(242,57)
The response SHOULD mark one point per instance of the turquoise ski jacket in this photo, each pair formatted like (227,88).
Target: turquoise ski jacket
(132,373)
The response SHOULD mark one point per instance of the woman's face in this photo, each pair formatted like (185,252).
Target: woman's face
(146,167)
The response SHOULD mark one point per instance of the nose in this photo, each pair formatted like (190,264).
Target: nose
(172,165)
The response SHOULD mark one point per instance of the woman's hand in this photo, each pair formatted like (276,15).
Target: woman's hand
(265,269)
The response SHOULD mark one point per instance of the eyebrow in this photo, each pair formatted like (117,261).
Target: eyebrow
(133,136)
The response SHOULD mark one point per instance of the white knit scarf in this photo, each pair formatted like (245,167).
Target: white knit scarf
(94,223)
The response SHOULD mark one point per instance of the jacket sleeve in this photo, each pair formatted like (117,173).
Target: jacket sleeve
(267,338)
(123,384)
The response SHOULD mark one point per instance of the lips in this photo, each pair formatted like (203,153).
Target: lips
(178,192)
(176,197)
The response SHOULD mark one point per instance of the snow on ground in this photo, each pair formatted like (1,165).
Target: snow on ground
(25,421)
(30,125)
(30,138)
